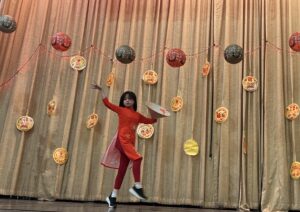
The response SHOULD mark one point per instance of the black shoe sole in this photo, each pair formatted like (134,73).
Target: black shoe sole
(133,192)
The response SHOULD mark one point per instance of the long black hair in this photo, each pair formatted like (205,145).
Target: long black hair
(132,96)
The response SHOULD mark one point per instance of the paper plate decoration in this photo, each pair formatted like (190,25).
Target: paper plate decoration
(110,79)
(295,170)
(250,83)
(78,62)
(157,111)
(176,103)
(7,24)
(205,69)
(150,77)
(60,41)
(125,54)
(191,147)
(233,54)
(51,107)
(145,130)
(24,123)
(294,41)
(176,57)
(292,111)
(92,120)
(60,156)
(221,114)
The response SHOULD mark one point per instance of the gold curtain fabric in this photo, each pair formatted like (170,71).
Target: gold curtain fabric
(242,163)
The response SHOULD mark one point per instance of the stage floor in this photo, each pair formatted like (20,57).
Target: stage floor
(57,206)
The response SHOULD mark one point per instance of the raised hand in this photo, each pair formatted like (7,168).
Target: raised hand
(95,86)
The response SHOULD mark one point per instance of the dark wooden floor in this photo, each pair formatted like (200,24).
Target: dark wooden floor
(17,205)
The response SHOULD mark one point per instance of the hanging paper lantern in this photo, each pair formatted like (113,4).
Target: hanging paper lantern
(60,156)
(295,170)
(125,54)
(294,41)
(51,107)
(78,62)
(61,41)
(176,57)
(292,111)
(92,120)
(233,54)
(191,147)
(150,77)
(221,114)
(250,83)
(7,24)
(176,103)
(145,130)
(24,123)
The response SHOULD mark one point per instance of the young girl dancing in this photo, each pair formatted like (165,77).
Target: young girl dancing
(122,148)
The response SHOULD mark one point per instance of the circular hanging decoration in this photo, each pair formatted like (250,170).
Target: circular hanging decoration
(205,69)
(150,77)
(292,111)
(176,103)
(61,41)
(51,107)
(294,41)
(250,83)
(176,57)
(24,123)
(92,120)
(295,170)
(221,114)
(7,24)
(110,79)
(125,54)
(78,62)
(145,130)
(233,54)
(191,147)
(60,156)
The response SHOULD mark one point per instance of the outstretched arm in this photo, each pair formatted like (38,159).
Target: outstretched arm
(98,87)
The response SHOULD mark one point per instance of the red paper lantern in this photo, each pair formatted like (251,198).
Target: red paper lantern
(60,41)
(176,57)
(294,41)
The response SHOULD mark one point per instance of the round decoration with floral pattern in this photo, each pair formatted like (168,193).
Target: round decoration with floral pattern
(60,156)
(292,111)
(51,107)
(191,147)
(78,62)
(7,24)
(150,77)
(295,170)
(110,79)
(176,103)
(145,130)
(61,41)
(221,114)
(92,120)
(250,83)
(176,57)
(294,41)
(24,123)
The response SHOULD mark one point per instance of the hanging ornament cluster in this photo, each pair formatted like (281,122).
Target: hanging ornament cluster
(176,57)
(294,41)
(61,41)
(233,54)
(125,54)
(7,24)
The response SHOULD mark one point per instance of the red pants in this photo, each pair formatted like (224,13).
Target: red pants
(124,162)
